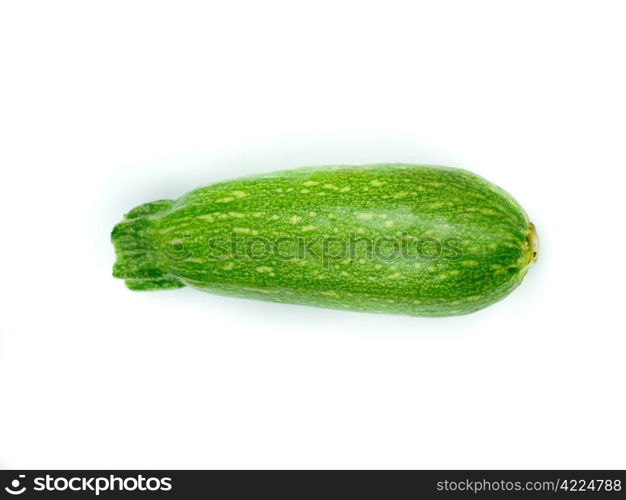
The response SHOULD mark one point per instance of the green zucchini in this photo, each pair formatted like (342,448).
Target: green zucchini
(390,238)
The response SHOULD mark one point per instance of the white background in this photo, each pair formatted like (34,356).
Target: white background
(106,105)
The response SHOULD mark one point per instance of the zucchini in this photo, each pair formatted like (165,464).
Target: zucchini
(390,238)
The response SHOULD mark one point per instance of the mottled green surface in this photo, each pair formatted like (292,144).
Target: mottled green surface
(485,240)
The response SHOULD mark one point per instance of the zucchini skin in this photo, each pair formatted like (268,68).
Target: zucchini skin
(389,238)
